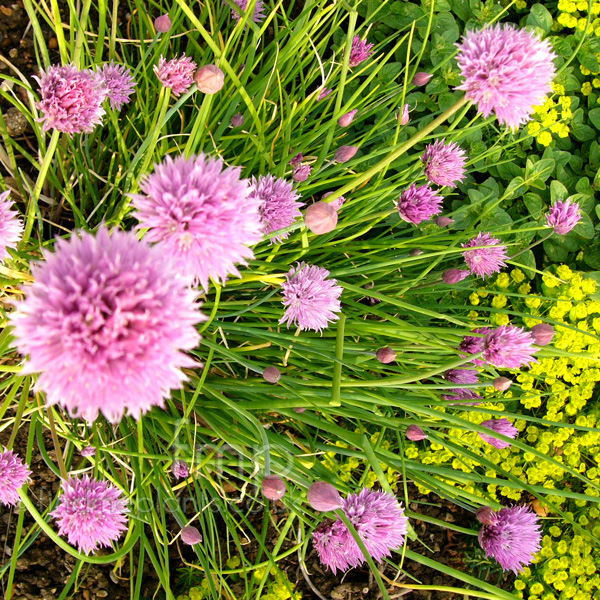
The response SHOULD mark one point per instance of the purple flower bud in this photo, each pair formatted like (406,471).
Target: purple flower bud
(209,79)
(337,203)
(345,153)
(385,355)
(191,536)
(404,116)
(297,159)
(322,496)
(414,433)
(272,374)
(273,487)
(444,221)
(323,94)
(542,334)
(299,410)
(162,24)
(346,119)
(180,469)
(321,217)
(421,78)
(88,451)
(416,252)
(301,173)
(487,515)
(237,120)
(502,383)
(452,276)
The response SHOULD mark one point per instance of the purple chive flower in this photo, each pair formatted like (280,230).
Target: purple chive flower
(71,100)
(563,216)
(417,204)
(279,206)
(118,83)
(513,538)
(296,159)
(361,50)
(257,16)
(485,261)
(444,163)
(203,214)
(88,451)
(310,299)
(14,474)
(346,120)
(378,519)
(177,73)
(462,376)
(502,426)
(180,469)
(415,434)
(106,324)
(11,226)
(508,347)
(301,172)
(473,345)
(452,276)
(91,513)
(323,93)
(460,395)
(506,70)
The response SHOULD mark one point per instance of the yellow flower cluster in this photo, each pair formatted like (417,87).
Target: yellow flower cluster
(348,468)
(567,567)
(551,117)
(557,388)
(573,15)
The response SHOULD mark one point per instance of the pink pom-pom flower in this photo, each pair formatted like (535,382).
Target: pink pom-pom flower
(106,324)
(202,213)
(11,226)
(506,71)
(176,74)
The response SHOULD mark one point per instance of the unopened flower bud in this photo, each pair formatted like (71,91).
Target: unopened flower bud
(237,120)
(337,203)
(299,410)
(209,79)
(301,173)
(414,433)
(191,536)
(416,252)
(322,496)
(273,487)
(404,116)
(272,374)
(421,78)
(296,159)
(345,153)
(163,24)
(444,221)
(385,355)
(346,119)
(452,276)
(321,217)
(502,383)
(487,515)
(542,334)
(88,451)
